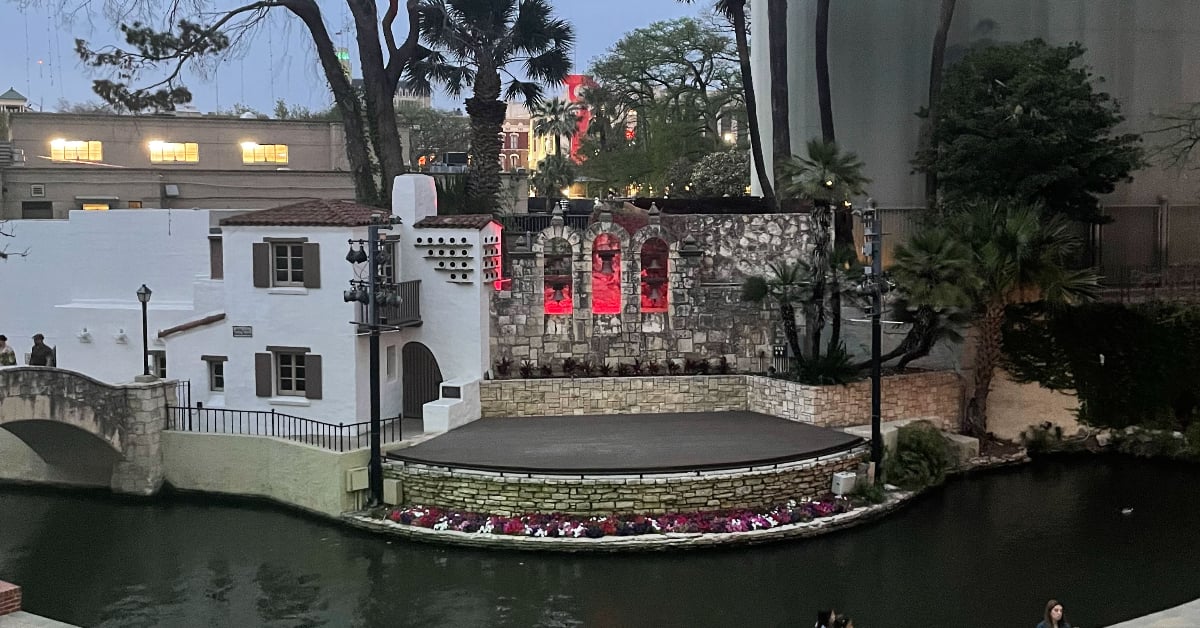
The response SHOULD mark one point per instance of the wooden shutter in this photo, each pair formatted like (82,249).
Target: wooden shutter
(312,267)
(262,265)
(216,258)
(264,374)
(312,376)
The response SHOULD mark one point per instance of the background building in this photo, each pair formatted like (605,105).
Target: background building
(53,163)
(1147,51)
(515,139)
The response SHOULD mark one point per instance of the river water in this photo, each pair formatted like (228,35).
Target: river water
(985,551)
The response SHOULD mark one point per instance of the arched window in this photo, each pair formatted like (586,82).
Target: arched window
(557,290)
(606,275)
(655,287)
(512,140)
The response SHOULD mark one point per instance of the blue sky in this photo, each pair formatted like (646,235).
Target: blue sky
(279,63)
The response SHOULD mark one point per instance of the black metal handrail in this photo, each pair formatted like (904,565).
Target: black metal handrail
(535,223)
(405,313)
(335,437)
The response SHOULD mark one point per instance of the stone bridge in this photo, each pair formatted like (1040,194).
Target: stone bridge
(71,420)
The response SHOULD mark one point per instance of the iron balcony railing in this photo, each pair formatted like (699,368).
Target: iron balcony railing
(335,437)
(404,313)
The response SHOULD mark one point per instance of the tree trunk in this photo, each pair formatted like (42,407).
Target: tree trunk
(835,311)
(824,99)
(987,356)
(819,264)
(378,91)
(487,118)
(937,60)
(358,150)
(738,11)
(778,49)
(788,312)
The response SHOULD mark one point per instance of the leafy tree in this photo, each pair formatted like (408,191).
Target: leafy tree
(554,173)
(368,117)
(1024,121)
(721,174)
(475,42)
(610,116)
(65,106)
(299,112)
(735,12)
(434,131)
(829,178)
(1018,254)
(555,117)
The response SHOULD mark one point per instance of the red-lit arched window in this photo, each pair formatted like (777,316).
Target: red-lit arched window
(654,288)
(557,289)
(606,275)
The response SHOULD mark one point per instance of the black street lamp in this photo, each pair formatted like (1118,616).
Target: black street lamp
(143,296)
(876,284)
(373,295)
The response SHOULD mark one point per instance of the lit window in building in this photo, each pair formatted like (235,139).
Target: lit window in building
(558,290)
(606,275)
(94,207)
(253,153)
(654,286)
(174,152)
(76,150)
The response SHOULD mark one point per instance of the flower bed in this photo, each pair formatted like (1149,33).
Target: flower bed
(568,526)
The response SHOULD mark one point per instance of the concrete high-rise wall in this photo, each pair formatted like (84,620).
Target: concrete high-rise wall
(1147,52)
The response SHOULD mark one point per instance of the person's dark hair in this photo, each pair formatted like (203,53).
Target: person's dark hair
(38,337)
(3,338)
(1050,623)
(823,618)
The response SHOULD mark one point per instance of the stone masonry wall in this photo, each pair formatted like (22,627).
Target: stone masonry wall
(612,395)
(709,256)
(516,494)
(935,396)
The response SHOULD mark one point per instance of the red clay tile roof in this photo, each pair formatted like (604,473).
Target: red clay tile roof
(199,322)
(461,221)
(310,213)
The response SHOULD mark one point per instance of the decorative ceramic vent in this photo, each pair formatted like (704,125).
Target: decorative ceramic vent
(450,255)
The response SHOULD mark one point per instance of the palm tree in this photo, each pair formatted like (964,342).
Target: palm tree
(473,43)
(735,11)
(828,177)
(824,99)
(937,59)
(555,117)
(607,112)
(552,175)
(1019,254)
(777,53)
(786,283)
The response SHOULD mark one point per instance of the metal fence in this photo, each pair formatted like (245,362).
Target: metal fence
(335,437)
(534,223)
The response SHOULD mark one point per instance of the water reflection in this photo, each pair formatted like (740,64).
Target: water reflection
(977,553)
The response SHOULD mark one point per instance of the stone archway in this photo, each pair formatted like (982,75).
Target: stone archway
(422,379)
(62,415)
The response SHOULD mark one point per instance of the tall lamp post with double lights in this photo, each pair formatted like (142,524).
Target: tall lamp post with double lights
(373,291)
(143,297)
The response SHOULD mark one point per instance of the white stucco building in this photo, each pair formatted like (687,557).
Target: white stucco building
(1147,51)
(249,307)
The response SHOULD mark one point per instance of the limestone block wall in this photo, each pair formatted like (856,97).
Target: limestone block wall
(612,395)
(709,256)
(934,395)
(515,494)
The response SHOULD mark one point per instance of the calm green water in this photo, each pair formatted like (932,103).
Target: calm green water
(986,551)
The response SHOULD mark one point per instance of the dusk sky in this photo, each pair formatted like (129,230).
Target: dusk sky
(41,63)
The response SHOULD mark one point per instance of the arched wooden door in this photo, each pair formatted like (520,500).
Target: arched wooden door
(422,378)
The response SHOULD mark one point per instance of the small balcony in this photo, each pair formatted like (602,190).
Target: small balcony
(399,305)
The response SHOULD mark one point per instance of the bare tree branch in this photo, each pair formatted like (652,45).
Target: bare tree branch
(1181,129)
(6,231)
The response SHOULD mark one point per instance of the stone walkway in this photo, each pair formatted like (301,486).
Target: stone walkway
(21,619)
(1182,616)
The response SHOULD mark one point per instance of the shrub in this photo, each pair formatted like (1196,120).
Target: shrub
(653,367)
(586,368)
(545,370)
(624,370)
(638,367)
(504,367)
(723,366)
(867,493)
(921,459)
(526,369)
(1153,444)
(1039,439)
(673,367)
(605,370)
(570,367)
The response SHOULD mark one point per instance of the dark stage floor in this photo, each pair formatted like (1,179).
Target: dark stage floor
(627,443)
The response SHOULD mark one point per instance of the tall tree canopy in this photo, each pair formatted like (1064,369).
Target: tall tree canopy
(196,31)
(1024,120)
(475,43)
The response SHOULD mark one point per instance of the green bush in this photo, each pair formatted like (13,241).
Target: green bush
(867,494)
(921,459)
(1152,444)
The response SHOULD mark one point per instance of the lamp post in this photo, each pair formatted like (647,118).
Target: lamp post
(876,284)
(143,296)
(369,293)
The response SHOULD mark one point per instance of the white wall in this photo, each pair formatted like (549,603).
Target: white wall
(1148,52)
(84,273)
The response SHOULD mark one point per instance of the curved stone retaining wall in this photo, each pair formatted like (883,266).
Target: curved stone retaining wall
(514,494)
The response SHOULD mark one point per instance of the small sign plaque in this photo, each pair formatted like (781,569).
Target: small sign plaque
(243,331)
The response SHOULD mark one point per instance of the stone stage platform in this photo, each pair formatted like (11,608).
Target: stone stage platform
(628,443)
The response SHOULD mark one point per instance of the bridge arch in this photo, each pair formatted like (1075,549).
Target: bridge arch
(51,409)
